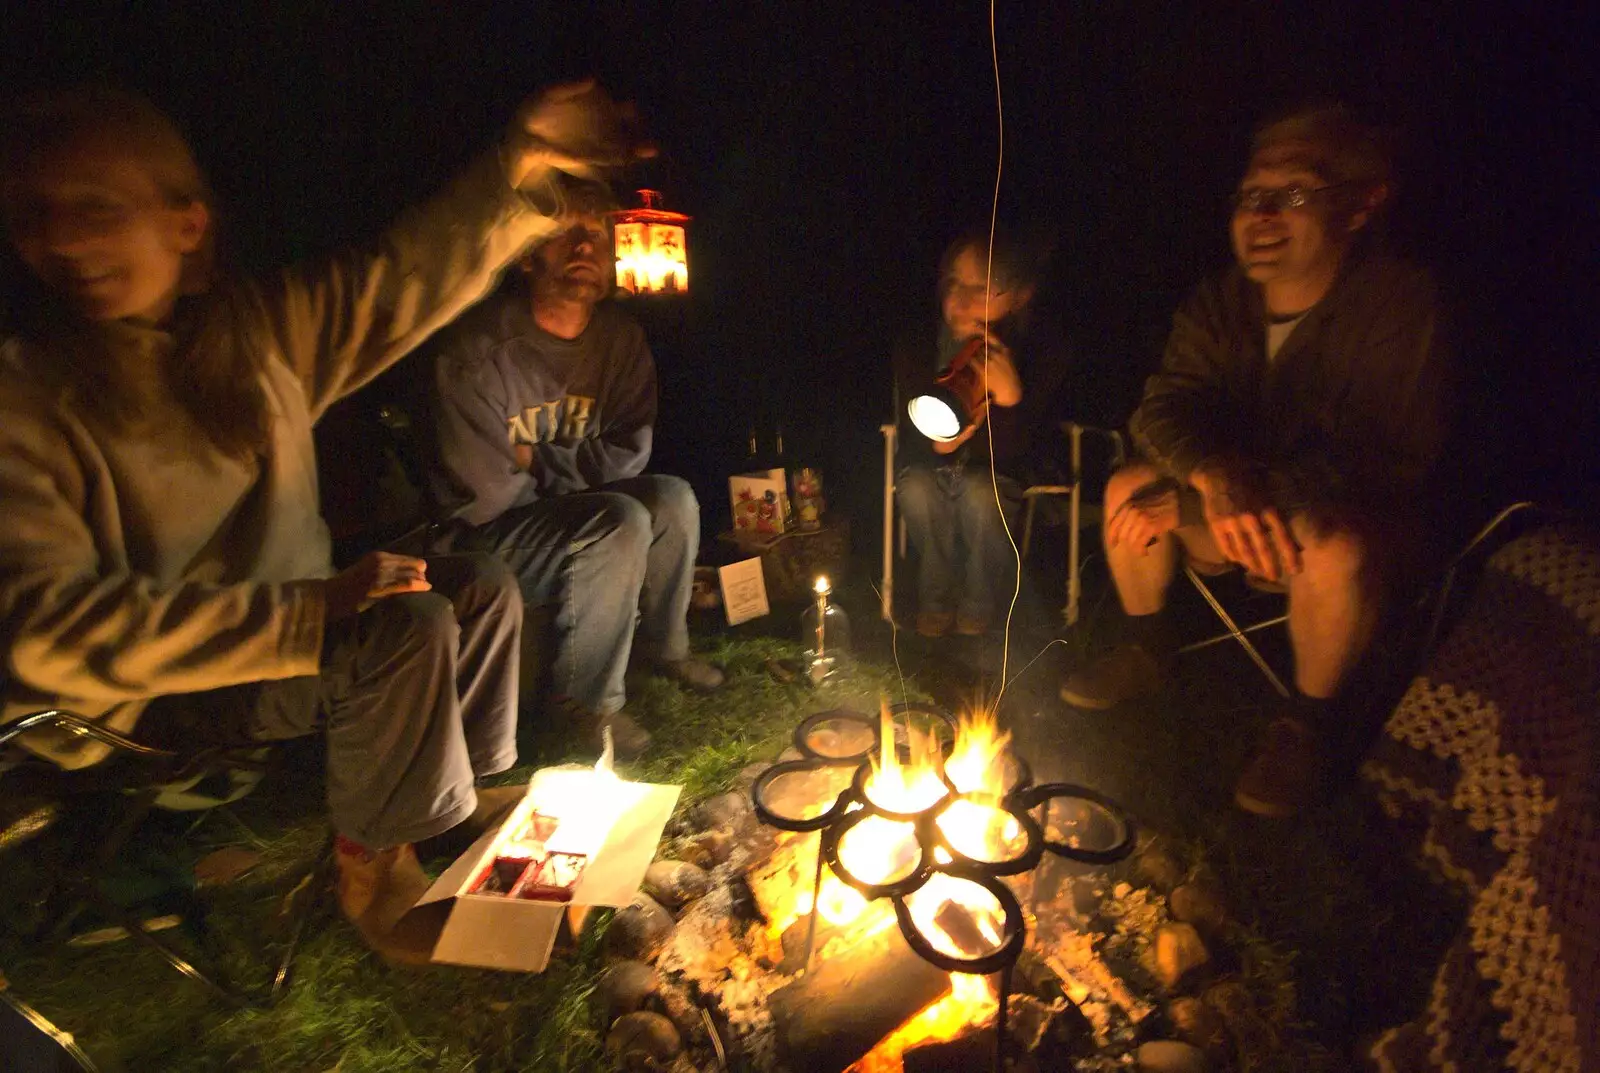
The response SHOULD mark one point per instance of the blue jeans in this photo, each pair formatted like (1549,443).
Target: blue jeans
(608,559)
(952,522)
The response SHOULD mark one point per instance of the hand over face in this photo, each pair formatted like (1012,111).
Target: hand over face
(372,577)
(1143,518)
(1247,528)
(575,128)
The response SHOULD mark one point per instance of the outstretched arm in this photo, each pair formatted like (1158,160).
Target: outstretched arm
(342,322)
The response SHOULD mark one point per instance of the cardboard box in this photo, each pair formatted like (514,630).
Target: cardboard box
(615,825)
(760,503)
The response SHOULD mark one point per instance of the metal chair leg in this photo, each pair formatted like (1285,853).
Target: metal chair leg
(1237,633)
(1029,507)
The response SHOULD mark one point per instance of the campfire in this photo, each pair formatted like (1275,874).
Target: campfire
(936,814)
(896,893)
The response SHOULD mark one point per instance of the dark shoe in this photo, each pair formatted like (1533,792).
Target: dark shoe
(377,892)
(971,626)
(628,739)
(691,673)
(494,805)
(1123,673)
(935,623)
(1285,774)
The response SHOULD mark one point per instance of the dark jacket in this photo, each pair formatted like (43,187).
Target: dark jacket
(1351,412)
(1027,444)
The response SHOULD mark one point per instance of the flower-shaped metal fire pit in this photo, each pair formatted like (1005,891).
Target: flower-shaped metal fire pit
(933,821)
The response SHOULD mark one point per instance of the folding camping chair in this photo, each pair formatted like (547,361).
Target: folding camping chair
(1437,595)
(894,531)
(140,779)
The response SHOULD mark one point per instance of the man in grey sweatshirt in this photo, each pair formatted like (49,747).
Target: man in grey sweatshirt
(543,420)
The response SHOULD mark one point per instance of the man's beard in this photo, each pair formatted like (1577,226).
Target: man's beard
(589,289)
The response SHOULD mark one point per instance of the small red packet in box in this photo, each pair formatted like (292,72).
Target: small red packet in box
(552,879)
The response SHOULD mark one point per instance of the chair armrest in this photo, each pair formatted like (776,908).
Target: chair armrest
(72,722)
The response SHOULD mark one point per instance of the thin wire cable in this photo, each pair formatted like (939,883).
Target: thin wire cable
(988,283)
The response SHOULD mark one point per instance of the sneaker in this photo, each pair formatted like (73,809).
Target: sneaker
(1123,673)
(691,673)
(935,623)
(1284,775)
(971,625)
(628,738)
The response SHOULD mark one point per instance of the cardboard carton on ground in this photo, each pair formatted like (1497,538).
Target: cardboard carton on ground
(617,824)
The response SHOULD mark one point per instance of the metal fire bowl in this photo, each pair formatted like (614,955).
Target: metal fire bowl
(853,806)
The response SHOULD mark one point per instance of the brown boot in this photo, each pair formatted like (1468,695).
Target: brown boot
(1285,774)
(1123,673)
(377,891)
(628,738)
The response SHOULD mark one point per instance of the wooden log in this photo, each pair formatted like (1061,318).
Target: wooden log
(846,1004)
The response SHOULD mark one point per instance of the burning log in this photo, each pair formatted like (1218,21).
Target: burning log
(838,1012)
(956,921)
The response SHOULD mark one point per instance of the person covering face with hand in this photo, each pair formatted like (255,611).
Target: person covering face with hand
(951,508)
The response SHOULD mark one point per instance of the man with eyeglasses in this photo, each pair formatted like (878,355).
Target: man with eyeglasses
(1291,430)
(544,419)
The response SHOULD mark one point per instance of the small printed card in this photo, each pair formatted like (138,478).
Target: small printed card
(744,591)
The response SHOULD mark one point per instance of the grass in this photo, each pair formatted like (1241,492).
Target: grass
(1308,931)
(347,1012)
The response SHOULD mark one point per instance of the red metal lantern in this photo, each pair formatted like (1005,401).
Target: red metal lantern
(652,257)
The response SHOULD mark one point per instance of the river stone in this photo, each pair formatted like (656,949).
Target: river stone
(725,812)
(623,987)
(1170,1056)
(1200,1026)
(714,846)
(1158,866)
(1180,952)
(643,1041)
(1200,902)
(639,930)
(676,883)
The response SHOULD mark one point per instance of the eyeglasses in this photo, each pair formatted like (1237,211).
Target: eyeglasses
(1266,199)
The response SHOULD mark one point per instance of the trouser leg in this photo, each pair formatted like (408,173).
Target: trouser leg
(930,524)
(398,768)
(488,609)
(669,566)
(586,552)
(989,555)
(402,748)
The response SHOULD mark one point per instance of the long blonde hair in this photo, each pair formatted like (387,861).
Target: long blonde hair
(216,373)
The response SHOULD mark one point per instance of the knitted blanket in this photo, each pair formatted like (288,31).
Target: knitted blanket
(1490,769)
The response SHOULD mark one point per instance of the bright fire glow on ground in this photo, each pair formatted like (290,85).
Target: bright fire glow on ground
(878,850)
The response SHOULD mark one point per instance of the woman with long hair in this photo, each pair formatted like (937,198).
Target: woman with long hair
(162,555)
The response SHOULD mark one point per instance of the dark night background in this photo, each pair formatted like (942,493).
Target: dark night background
(827,151)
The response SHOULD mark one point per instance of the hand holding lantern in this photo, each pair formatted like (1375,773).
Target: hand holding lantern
(959,402)
(575,128)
